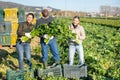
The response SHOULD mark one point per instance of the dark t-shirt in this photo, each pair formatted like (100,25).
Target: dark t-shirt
(43,20)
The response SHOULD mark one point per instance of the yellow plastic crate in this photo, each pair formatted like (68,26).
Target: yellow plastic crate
(13,39)
(34,21)
(7,13)
(14,27)
(14,13)
(11,13)
(11,19)
(14,20)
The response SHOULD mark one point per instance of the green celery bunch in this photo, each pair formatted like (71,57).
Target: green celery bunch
(33,33)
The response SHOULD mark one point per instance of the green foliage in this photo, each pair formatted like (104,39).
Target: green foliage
(107,22)
(33,33)
(101,51)
(55,28)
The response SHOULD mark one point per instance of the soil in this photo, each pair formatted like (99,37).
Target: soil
(34,43)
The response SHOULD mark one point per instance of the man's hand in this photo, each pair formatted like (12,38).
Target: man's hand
(51,37)
(28,35)
(47,38)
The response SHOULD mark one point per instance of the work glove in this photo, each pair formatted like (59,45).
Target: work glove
(51,37)
(28,35)
(45,36)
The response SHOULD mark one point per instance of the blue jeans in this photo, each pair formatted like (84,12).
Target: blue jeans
(79,49)
(21,49)
(53,47)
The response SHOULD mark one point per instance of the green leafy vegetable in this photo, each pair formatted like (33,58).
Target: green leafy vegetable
(55,28)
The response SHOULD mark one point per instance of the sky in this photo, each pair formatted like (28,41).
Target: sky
(74,5)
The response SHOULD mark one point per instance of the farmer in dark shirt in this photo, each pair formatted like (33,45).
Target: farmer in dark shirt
(24,29)
(52,43)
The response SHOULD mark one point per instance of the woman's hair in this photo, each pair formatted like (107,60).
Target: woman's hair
(31,15)
(76,17)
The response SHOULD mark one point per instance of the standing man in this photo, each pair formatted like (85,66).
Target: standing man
(24,29)
(52,43)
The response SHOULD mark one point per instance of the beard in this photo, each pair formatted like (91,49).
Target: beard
(45,14)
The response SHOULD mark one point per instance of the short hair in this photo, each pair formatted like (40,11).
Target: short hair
(45,10)
(31,15)
(76,17)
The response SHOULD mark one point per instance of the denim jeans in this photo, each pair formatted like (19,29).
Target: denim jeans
(72,49)
(53,47)
(21,49)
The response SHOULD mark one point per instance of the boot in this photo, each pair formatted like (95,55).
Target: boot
(44,65)
(55,64)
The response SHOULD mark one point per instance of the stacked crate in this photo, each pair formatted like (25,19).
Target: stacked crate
(21,15)
(1,20)
(11,15)
(9,25)
(1,15)
(8,33)
(5,29)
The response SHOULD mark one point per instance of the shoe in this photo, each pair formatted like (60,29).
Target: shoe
(81,65)
(54,64)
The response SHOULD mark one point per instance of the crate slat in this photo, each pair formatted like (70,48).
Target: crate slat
(74,71)
(56,71)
